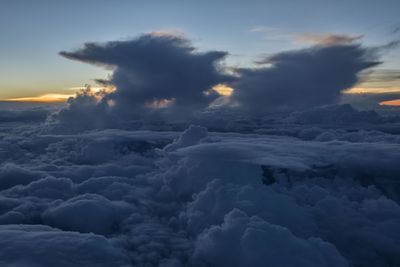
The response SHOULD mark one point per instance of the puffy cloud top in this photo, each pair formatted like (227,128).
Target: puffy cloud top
(302,78)
(156,70)
(163,77)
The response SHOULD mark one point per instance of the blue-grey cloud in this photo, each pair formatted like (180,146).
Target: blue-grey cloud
(24,115)
(302,78)
(199,198)
(156,70)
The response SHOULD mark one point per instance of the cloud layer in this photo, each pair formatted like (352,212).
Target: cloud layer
(109,181)
(161,198)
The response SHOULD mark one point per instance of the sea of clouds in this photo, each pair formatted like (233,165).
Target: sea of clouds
(251,183)
(288,194)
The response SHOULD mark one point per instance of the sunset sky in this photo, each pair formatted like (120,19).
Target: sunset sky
(196,133)
(34,32)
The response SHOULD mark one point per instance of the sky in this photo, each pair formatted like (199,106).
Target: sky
(199,133)
(34,32)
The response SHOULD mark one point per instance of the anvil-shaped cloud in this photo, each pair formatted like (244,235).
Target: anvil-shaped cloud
(164,74)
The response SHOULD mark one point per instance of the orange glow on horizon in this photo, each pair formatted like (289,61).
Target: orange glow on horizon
(46,98)
(395,102)
(106,89)
(371,90)
(59,98)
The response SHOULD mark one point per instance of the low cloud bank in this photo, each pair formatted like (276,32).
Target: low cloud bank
(151,198)
(29,115)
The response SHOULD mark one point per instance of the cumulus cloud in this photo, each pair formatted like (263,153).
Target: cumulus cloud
(161,78)
(251,241)
(87,110)
(320,185)
(199,198)
(12,174)
(38,245)
(155,71)
(303,78)
(86,213)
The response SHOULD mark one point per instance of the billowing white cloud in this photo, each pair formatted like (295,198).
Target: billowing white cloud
(165,198)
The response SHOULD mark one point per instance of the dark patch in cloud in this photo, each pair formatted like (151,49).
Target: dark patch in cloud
(303,78)
(156,71)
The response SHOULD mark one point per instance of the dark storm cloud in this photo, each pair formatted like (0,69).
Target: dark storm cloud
(162,78)
(302,78)
(156,70)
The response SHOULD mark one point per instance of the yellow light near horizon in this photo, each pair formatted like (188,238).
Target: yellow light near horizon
(107,89)
(46,98)
(371,90)
(395,102)
(223,90)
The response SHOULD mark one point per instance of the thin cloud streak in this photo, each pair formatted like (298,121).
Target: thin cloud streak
(46,98)
(372,90)
(326,39)
(395,102)
(276,34)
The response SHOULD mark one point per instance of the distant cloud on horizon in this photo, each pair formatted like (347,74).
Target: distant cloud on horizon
(163,74)
(304,78)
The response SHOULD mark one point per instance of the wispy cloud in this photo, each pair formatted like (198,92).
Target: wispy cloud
(276,34)
(174,32)
(272,33)
(326,39)
(396,29)
(395,102)
(379,81)
(372,90)
(263,29)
